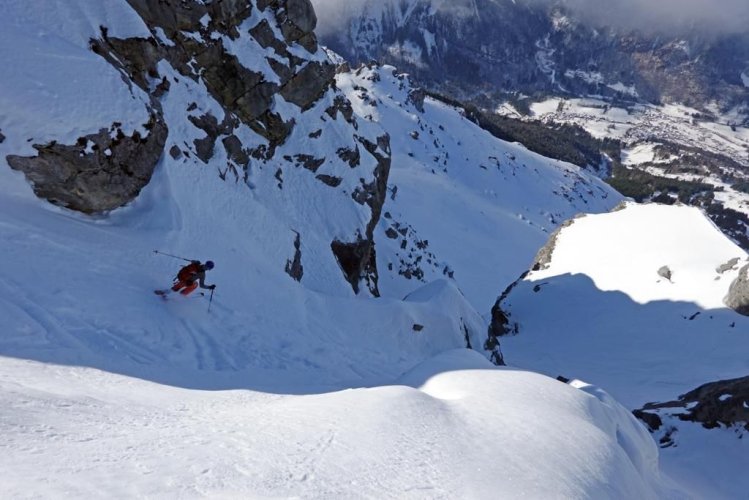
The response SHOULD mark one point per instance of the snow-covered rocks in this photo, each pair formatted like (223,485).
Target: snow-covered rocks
(723,403)
(461,204)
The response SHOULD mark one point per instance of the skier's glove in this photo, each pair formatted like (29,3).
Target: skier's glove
(212,287)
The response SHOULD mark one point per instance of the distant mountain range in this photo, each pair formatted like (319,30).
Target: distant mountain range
(473,48)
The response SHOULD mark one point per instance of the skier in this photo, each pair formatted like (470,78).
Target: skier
(191,275)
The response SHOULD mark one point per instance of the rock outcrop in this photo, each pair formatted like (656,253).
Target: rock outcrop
(96,181)
(724,403)
(196,51)
(101,172)
(738,294)
(358,259)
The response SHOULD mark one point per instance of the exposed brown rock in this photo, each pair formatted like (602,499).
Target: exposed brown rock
(309,84)
(98,173)
(738,294)
(722,403)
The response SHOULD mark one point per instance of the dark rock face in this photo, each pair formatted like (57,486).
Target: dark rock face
(501,324)
(738,294)
(294,267)
(723,403)
(300,23)
(301,15)
(307,86)
(329,180)
(358,260)
(358,263)
(98,173)
(350,156)
(542,48)
(543,257)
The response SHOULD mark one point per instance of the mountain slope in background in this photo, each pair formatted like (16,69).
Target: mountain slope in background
(483,46)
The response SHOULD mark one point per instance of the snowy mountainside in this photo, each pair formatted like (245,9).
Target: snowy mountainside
(634,301)
(284,174)
(201,203)
(681,91)
(498,202)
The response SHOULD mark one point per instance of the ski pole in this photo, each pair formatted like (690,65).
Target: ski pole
(211,300)
(173,256)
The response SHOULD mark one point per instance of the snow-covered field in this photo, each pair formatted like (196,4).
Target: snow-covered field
(641,123)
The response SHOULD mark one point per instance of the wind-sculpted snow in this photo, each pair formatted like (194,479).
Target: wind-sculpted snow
(453,427)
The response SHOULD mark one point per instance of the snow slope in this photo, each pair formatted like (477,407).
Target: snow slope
(285,388)
(484,206)
(602,312)
(454,427)
(45,88)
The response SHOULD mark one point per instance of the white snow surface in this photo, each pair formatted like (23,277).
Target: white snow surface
(53,87)
(603,291)
(438,432)
(608,317)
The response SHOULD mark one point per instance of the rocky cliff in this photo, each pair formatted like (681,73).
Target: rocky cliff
(223,85)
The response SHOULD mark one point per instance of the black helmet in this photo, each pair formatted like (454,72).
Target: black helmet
(208,265)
